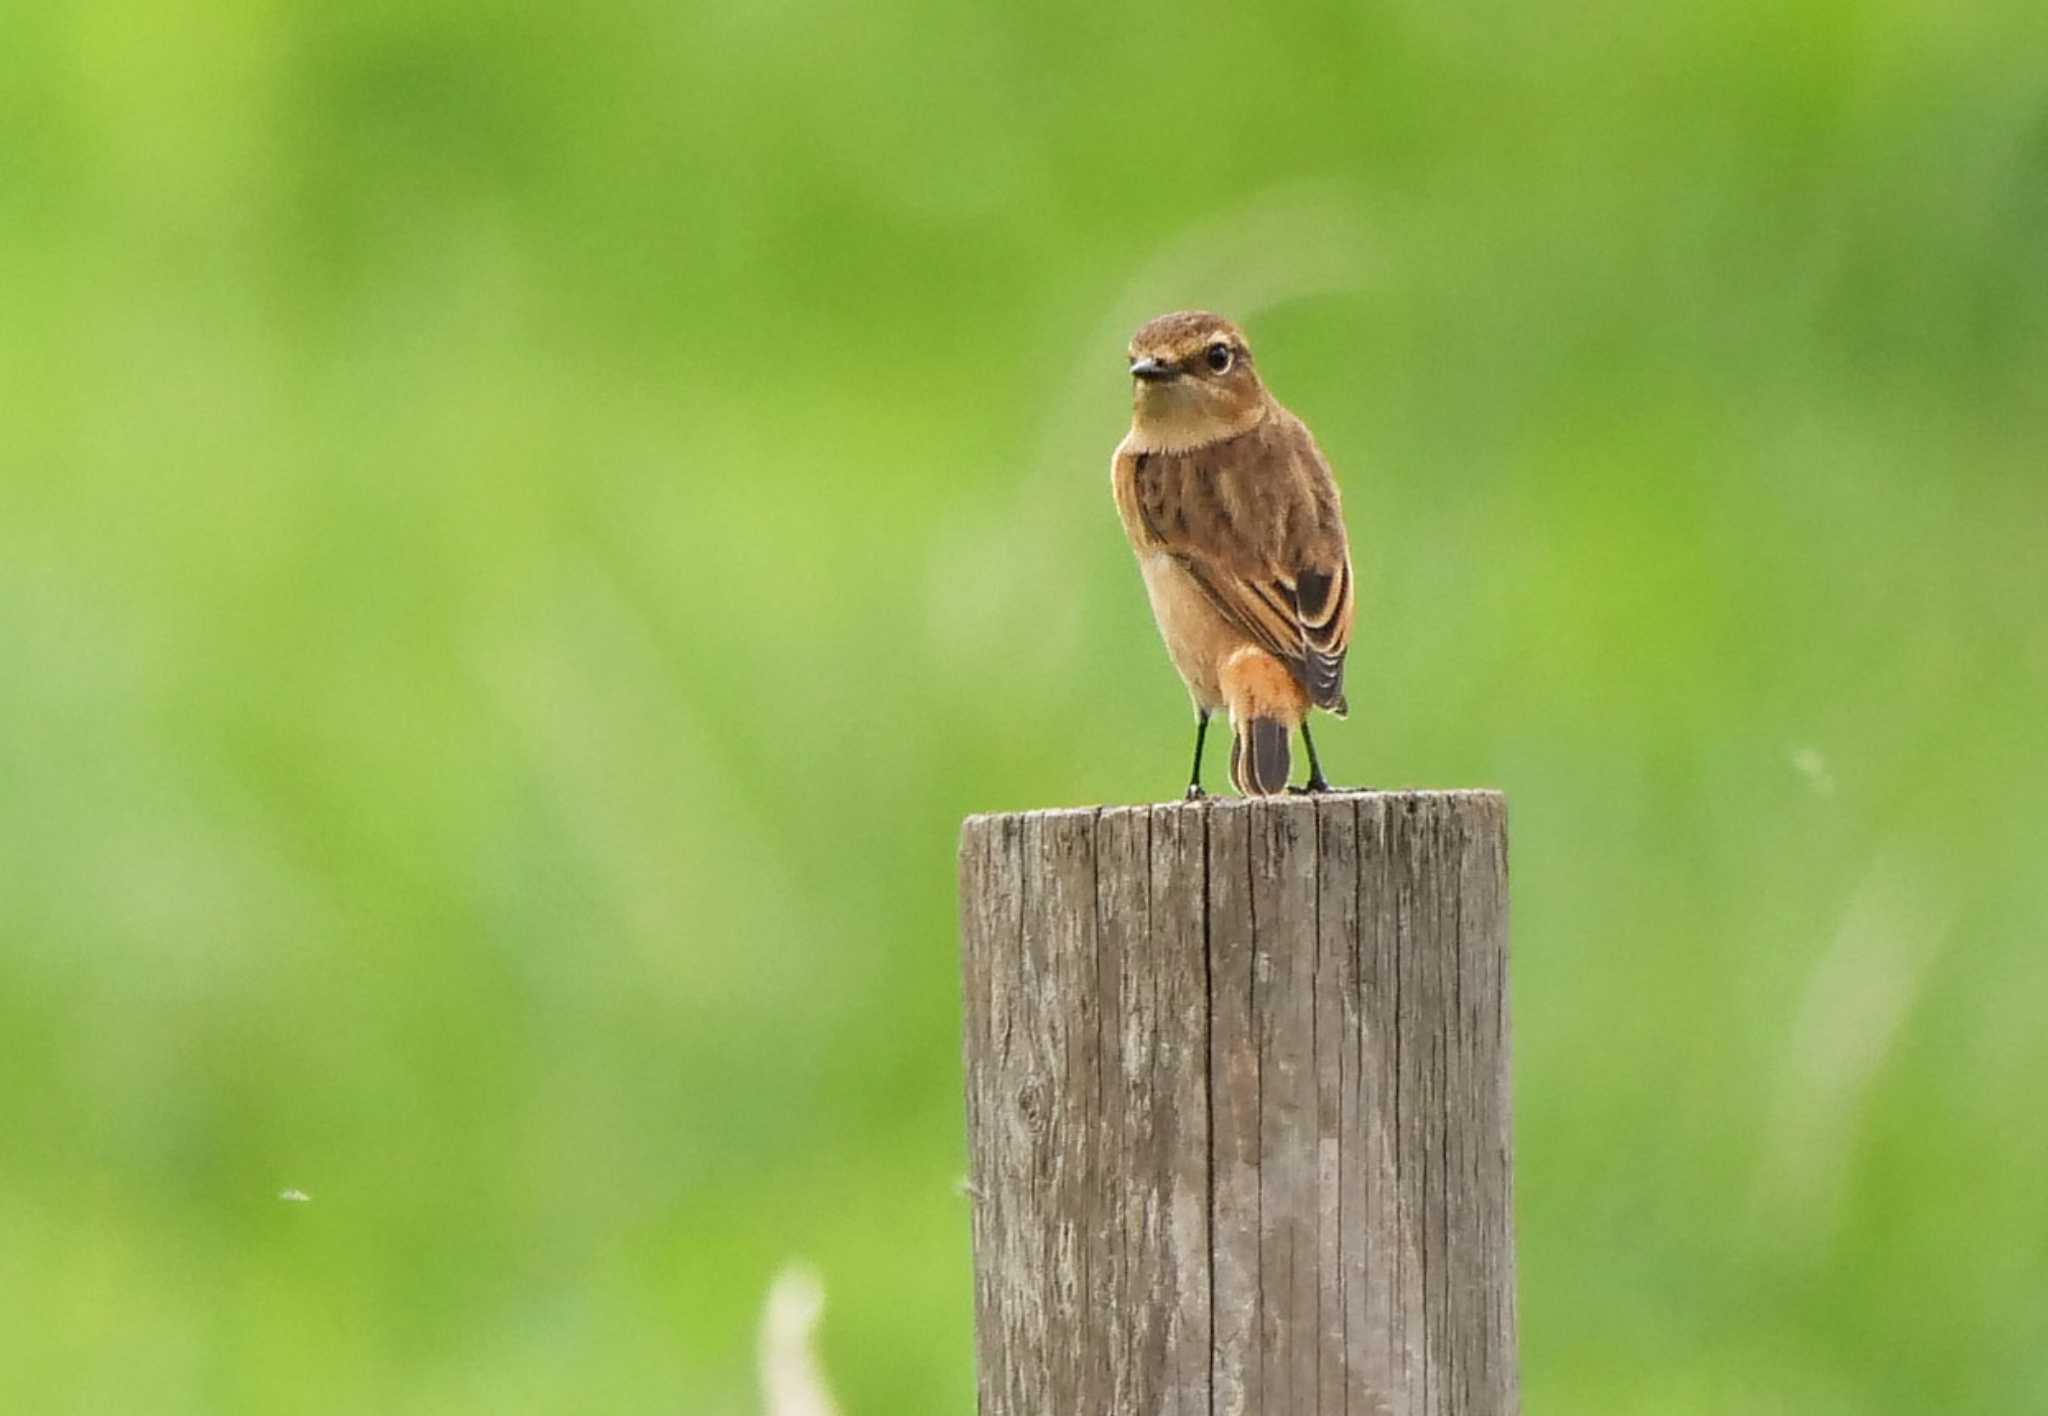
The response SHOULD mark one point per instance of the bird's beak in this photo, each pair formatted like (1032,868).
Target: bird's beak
(1153,370)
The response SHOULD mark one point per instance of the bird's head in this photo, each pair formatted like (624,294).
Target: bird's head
(1192,381)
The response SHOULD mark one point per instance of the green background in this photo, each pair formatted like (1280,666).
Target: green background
(523,530)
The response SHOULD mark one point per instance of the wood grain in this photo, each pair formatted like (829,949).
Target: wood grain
(1238,1107)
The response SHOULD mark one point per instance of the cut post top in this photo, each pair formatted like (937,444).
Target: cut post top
(1413,798)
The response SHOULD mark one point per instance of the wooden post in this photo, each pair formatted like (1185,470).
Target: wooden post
(1237,1097)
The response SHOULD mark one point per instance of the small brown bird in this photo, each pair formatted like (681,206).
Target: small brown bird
(1239,532)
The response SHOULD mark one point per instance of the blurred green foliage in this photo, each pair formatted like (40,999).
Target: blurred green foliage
(523,530)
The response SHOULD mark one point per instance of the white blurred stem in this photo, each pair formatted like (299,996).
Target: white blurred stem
(792,1383)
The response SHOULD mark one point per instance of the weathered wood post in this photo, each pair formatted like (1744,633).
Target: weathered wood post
(1237,1096)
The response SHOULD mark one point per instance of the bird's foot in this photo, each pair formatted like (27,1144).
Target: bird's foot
(1195,792)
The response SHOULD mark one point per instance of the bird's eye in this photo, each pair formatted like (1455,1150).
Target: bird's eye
(1219,358)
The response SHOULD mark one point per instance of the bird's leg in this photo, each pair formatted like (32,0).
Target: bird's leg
(1317,782)
(1195,792)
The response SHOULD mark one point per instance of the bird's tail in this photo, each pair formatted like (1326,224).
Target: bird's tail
(1266,704)
(1259,756)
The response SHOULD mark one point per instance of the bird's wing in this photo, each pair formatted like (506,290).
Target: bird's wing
(1260,530)
(1302,617)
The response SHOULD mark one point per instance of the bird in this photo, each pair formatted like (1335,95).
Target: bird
(1238,529)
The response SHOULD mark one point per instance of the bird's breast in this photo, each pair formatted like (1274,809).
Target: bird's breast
(1197,638)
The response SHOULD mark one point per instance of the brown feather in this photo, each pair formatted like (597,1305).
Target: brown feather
(1253,519)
